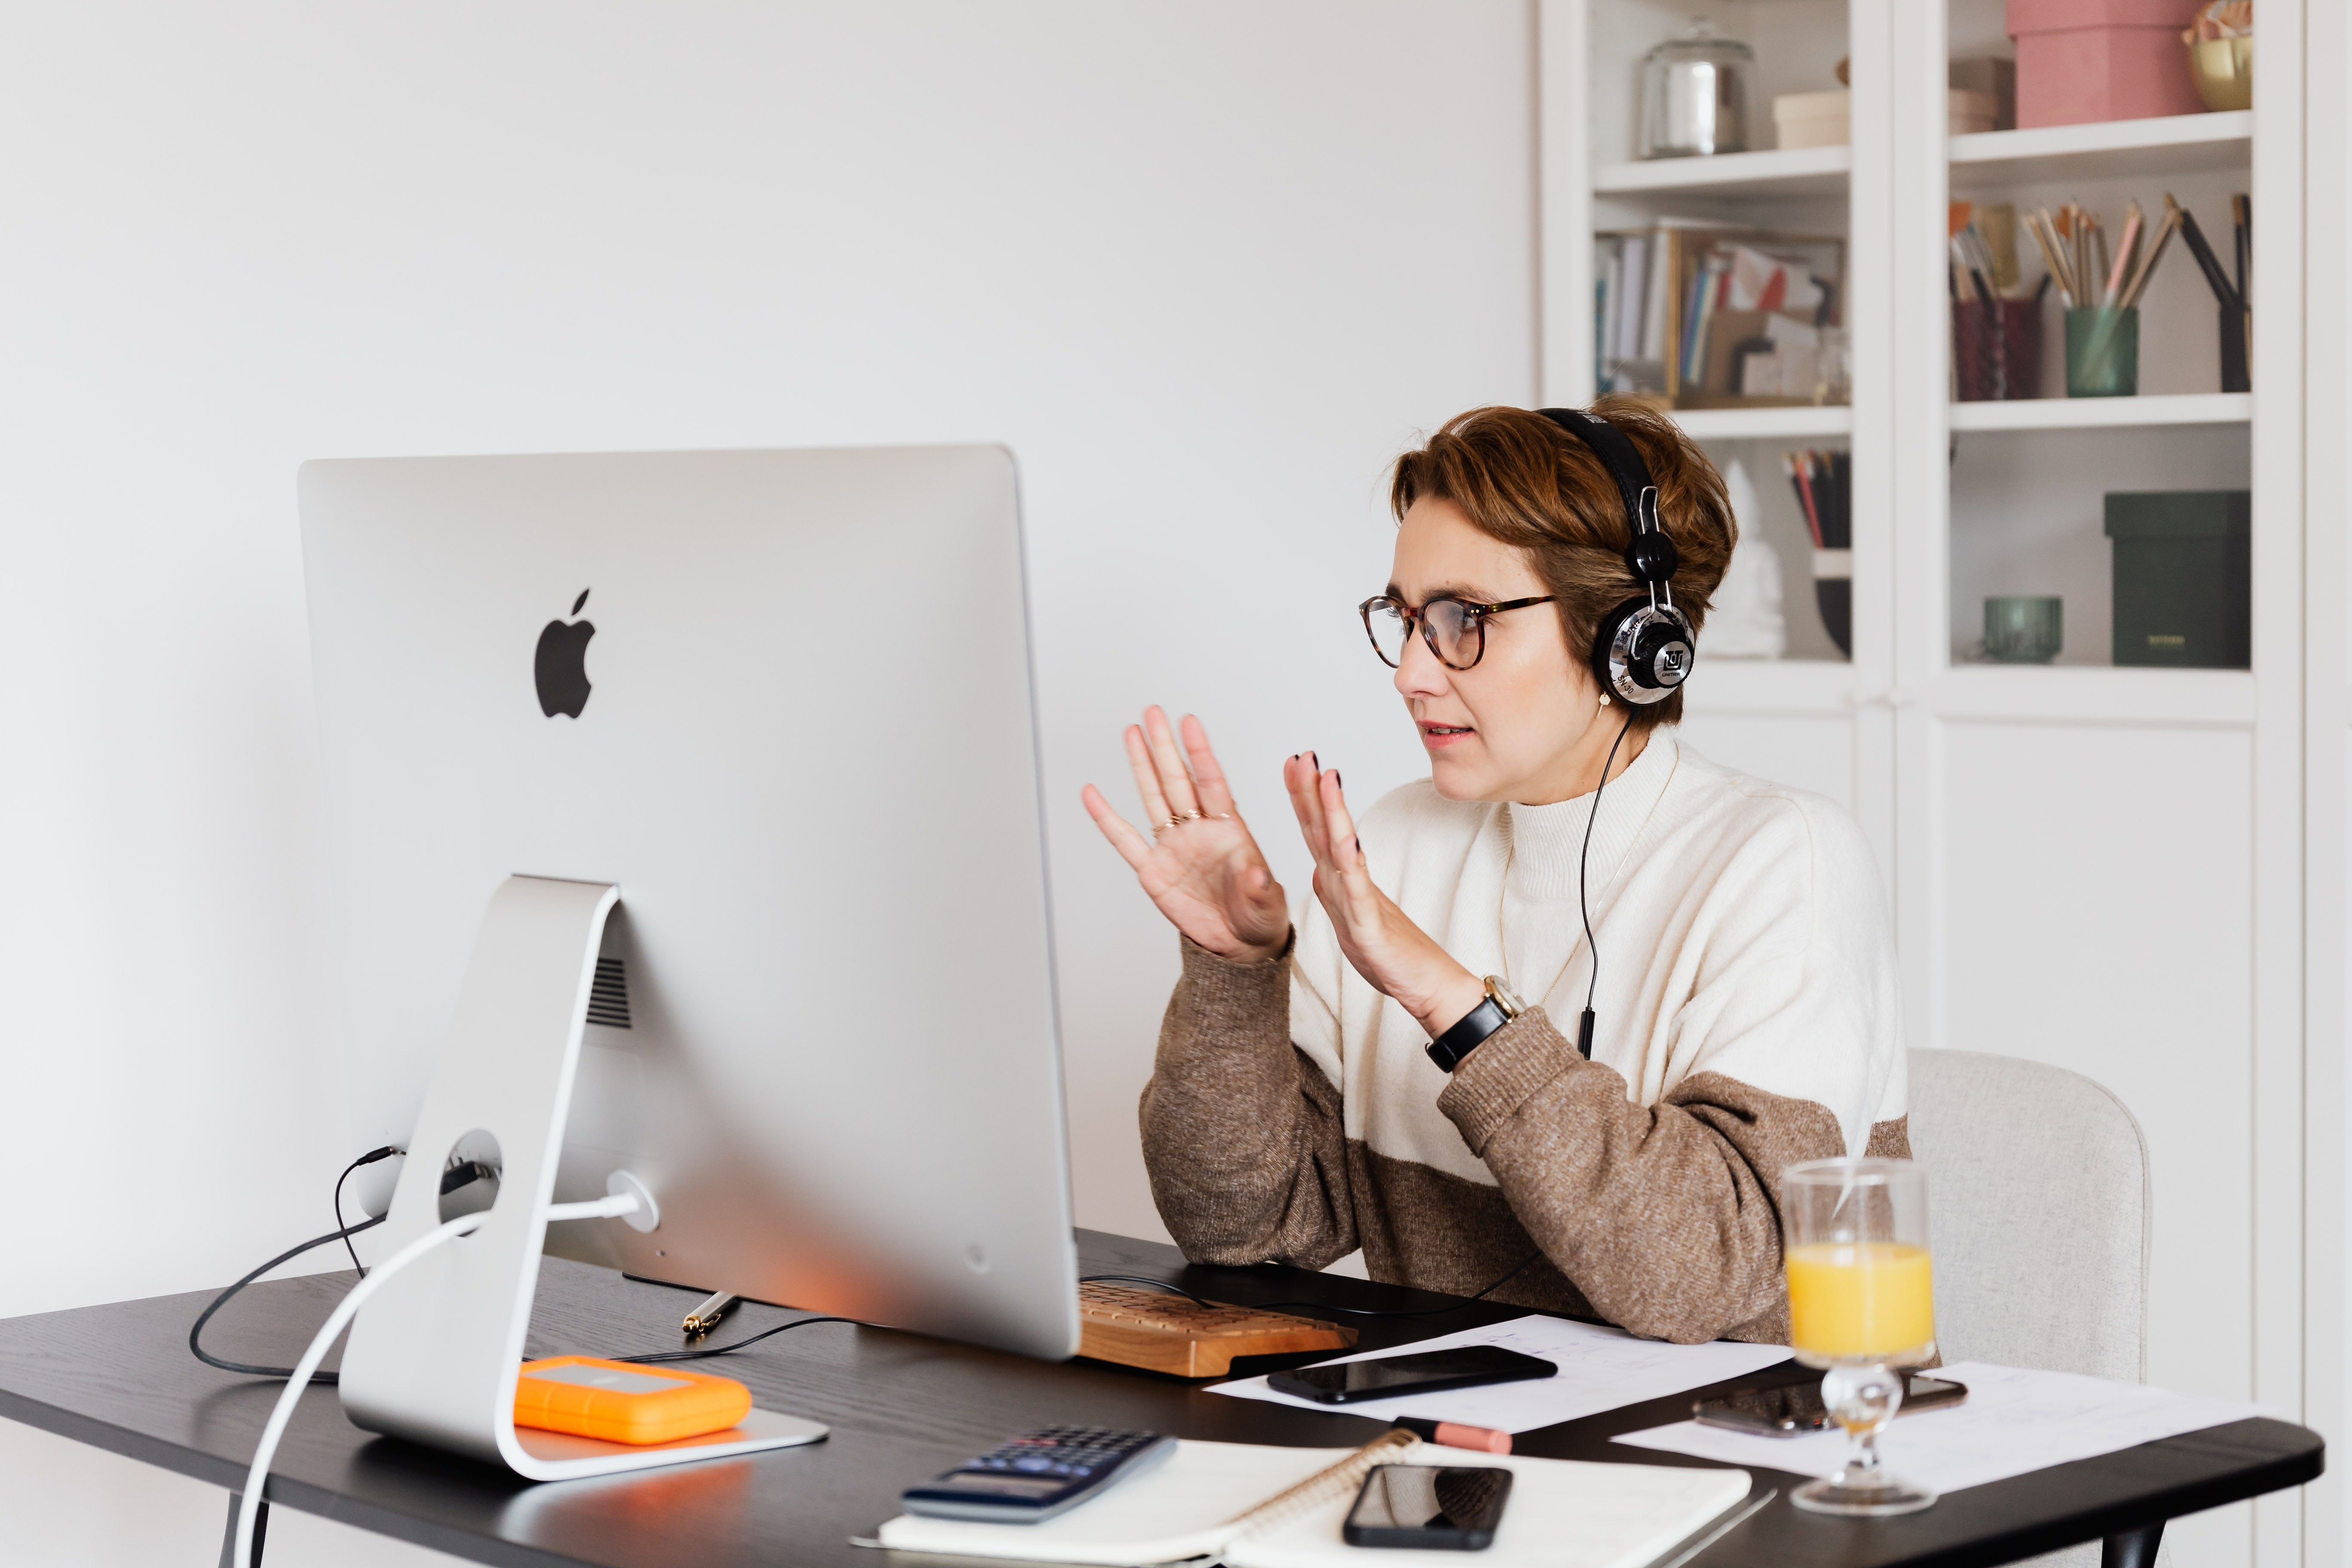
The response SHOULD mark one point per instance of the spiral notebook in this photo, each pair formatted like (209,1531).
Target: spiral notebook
(1256,1506)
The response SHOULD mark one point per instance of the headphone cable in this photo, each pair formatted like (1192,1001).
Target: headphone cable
(1584,858)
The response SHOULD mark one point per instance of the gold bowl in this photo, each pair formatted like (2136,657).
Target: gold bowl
(2224,70)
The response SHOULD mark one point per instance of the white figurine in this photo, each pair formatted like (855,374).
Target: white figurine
(1745,619)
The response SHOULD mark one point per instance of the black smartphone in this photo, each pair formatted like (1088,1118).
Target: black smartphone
(1392,1377)
(1434,1508)
(1795,1408)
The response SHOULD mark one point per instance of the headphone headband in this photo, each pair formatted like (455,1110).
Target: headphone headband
(1619,456)
(1645,646)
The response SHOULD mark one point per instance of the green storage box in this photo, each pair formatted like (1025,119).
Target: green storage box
(2183,569)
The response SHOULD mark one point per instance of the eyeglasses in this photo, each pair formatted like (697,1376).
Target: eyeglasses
(1454,629)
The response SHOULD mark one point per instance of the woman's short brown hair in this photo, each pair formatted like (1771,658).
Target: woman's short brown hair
(1522,479)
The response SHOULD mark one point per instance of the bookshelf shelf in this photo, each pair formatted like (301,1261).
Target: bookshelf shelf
(2095,694)
(1792,171)
(1757,688)
(1997,693)
(1766,424)
(2174,144)
(2105,413)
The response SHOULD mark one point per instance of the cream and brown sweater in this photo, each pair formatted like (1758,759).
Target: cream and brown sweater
(1749,1019)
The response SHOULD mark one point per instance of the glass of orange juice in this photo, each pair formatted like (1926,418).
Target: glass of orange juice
(1861,1305)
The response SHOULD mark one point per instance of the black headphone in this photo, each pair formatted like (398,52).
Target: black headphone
(1644,647)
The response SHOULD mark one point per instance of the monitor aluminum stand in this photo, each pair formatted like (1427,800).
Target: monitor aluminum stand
(435,1356)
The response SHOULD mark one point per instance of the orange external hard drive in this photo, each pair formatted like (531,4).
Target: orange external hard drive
(624,1403)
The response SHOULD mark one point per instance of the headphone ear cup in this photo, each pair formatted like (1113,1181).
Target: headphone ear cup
(1643,653)
(1608,671)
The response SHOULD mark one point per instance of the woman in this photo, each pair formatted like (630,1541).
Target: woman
(1745,995)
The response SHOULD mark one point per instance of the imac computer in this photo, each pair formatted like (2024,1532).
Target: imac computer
(684,839)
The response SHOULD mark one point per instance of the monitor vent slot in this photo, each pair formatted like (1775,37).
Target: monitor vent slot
(608,997)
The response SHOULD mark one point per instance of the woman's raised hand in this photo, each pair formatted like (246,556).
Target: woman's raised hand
(1396,956)
(1200,865)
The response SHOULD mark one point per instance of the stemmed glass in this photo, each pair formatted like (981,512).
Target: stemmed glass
(1862,1306)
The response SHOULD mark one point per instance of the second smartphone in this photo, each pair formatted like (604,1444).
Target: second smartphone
(1795,1408)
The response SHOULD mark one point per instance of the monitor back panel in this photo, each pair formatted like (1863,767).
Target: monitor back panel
(824,1028)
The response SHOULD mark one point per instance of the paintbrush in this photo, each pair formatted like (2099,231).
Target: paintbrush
(2136,284)
(2045,239)
(2218,281)
(2241,212)
(2124,252)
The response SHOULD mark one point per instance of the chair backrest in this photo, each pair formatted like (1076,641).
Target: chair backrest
(2038,1213)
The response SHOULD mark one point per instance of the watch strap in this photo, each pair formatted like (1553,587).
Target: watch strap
(1448,1050)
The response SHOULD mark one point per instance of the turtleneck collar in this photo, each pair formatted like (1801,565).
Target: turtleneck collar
(1546,841)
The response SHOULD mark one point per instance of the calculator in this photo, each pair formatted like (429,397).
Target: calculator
(1038,1475)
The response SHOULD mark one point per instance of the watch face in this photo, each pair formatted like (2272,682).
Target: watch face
(1504,994)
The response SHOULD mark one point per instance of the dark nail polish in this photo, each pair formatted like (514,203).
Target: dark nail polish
(1338,780)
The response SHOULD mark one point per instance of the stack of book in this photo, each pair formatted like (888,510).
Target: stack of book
(1704,316)
(1823,482)
(1824,485)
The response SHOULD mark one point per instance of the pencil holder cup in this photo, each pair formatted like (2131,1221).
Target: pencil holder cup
(2024,629)
(2103,352)
(2237,364)
(1997,349)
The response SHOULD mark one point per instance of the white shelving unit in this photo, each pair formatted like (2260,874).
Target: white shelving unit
(2162,960)
(2113,149)
(1764,423)
(1802,171)
(2105,413)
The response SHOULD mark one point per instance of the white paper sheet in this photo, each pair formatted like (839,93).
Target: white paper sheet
(1600,1369)
(2015,1421)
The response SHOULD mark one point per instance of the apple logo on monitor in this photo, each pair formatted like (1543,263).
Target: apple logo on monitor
(561,665)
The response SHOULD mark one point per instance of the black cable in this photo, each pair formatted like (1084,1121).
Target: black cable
(1584,1024)
(195,1334)
(460,1176)
(727,1349)
(1326,1306)
(370,1158)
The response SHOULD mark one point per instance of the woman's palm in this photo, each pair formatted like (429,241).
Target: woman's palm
(1208,880)
(1200,865)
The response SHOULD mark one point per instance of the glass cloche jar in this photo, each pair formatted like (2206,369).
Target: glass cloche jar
(1695,95)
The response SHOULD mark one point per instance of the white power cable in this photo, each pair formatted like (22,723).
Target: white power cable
(248,1510)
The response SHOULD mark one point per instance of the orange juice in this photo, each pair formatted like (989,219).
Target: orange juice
(1852,1301)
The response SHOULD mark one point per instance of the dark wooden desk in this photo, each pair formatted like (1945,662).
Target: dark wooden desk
(903,1408)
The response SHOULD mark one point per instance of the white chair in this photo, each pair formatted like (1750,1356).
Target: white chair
(2038,1210)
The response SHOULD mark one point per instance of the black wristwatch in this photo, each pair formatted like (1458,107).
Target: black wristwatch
(1498,1009)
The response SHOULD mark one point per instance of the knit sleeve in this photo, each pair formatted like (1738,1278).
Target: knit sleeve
(1242,1132)
(1665,1216)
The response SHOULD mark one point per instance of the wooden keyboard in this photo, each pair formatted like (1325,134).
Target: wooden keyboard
(1134,1325)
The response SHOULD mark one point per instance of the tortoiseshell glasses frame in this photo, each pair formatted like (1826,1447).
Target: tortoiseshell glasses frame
(1448,626)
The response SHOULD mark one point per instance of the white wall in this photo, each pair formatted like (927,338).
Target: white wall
(1205,266)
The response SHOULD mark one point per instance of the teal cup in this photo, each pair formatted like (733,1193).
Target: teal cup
(2103,353)
(2024,629)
